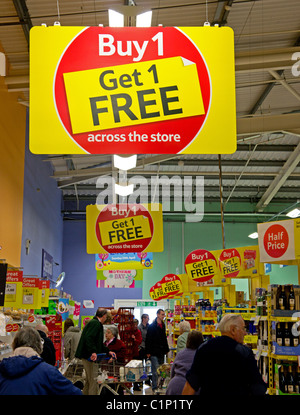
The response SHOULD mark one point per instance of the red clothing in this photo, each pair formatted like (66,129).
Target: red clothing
(136,342)
(117,346)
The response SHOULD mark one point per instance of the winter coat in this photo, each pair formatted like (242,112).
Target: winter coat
(156,340)
(22,375)
(91,340)
(143,330)
(48,354)
(117,346)
(181,341)
(71,340)
(182,363)
(136,343)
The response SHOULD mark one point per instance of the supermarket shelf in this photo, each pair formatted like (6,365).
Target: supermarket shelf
(284,357)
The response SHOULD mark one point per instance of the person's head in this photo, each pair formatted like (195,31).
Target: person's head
(42,327)
(135,323)
(28,337)
(101,314)
(160,314)
(194,339)
(68,323)
(145,319)
(111,332)
(233,325)
(184,326)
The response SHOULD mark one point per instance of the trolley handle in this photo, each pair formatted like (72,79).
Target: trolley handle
(100,356)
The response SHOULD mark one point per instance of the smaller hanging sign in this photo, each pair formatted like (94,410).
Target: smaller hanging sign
(230,263)
(169,286)
(201,265)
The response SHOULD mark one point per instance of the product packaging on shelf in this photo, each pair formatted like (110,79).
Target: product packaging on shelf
(285,299)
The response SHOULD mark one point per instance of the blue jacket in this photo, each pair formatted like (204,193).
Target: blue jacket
(20,375)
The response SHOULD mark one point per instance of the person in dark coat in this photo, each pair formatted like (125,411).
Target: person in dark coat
(91,344)
(48,353)
(182,363)
(225,365)
(26,373)
(156,345)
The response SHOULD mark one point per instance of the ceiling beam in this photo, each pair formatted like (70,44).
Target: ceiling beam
(280,179)
(269,123)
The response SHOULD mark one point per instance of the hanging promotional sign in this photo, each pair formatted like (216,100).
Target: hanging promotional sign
(119,278)
(103,90)
(63,308)
(201,265)
(47,265)
(74,311)
(230,263)
(124,228)
(128,260)
(169,286)
(31,294)
(45,292)
(13,289)
(279,241)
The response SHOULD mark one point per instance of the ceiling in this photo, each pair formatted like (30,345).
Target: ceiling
(258,181)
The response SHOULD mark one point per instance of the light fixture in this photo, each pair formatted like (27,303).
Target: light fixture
(123,190)
(144,19)
(253,235)
(295,213)
(115,19)
(125,163)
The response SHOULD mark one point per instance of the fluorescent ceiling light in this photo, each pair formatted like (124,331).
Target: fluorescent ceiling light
(253,235)
(294,213)
(144,19)
(115,19)
(123,190)
(125,163)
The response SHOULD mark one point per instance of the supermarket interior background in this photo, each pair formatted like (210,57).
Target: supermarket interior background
(44,196)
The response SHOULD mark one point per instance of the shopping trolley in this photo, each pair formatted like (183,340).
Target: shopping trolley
(74,371)
(116,376)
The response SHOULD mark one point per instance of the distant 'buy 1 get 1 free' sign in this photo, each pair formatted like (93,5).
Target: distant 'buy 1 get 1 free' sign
(132,90)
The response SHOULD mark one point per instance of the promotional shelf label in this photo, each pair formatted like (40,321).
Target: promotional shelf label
(124,228)
(201,265)
(13,289)
(157,90)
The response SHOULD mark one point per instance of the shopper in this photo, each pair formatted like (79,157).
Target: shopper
(49,352)
(71,338)
(143,327)
(26,373)
(137,340)
(225,365)
(156,345)
(184,329)
(91,344)
(182,363)
(114,344)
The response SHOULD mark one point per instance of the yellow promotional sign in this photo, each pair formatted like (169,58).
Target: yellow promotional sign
(31,293)
(132,94)
(13,289)
(157,90)
(124,228)
(168,287)
(44,292)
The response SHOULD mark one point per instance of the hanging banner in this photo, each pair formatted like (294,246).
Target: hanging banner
(31,294)
(3,271)
(74,311)
(45,292)
(168,287)
(128,260)
(230,263)
(279,241)
(201,265)
(13,289)
(47,265)
(124,228)
(63,308)
(117,278)
(157,90)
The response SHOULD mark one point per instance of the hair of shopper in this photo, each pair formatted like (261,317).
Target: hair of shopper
(113,330)
(144,316)
(194,339)
(101,312)
(159,310)
(184,326)
(68,323)
(228,320)
(135,320)
(28,337)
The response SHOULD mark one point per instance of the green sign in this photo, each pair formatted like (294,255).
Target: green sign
(146,304)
